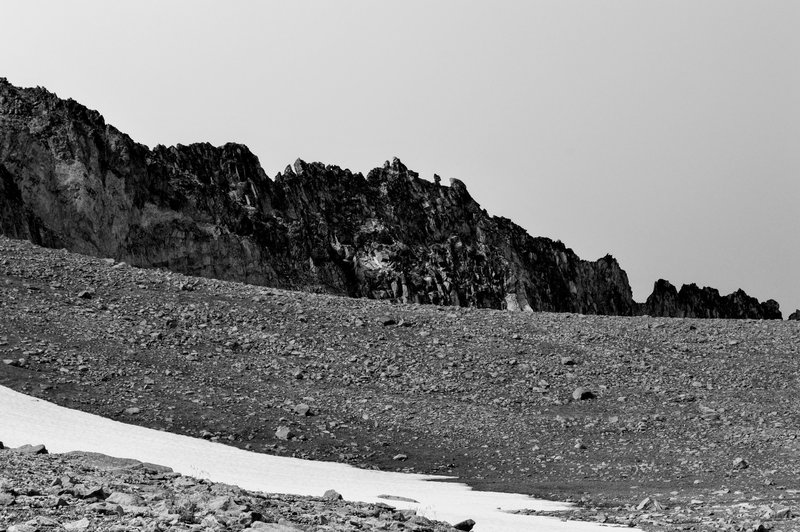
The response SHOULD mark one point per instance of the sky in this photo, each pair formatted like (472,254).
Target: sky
(27,420)
(666,133)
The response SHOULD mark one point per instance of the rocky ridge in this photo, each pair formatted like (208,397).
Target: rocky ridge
(83,492)
(68,179)
(695,302)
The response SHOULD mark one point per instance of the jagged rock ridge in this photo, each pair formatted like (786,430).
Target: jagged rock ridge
(68,179)
(694,302)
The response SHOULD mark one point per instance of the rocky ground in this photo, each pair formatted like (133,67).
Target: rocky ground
(80,492)
(665,424)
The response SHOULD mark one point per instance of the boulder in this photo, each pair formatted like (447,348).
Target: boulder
(302,410)
(32,449)
(332,495)
(582,394)
(465,525)
(284,433)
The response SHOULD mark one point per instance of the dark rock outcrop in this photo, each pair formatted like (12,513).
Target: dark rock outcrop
(68,179)
(694,302)
(795,316)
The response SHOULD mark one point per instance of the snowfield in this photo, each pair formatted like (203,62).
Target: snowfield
(24,419)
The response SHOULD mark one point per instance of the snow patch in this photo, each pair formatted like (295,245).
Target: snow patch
(25,419)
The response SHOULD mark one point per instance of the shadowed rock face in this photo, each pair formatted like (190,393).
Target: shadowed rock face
(694,302)
(67,179)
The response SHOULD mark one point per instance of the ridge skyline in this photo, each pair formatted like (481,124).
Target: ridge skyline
(38,104)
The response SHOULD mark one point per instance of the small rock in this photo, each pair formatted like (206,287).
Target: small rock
(106,508)
(80,524)
(465,525)
(23,527)
(302,410)
(249,517)
(740,463)
(384,506)
(386,321)
(284,433)
(400,457)
(421,521)
(782,513)
(86,294)
(332,495)
(132,410)
(644,504)
(125,499)
(82,491)
(582,394)
(58,502)
(64,481)
(223,503)
(709,414)
(567,361)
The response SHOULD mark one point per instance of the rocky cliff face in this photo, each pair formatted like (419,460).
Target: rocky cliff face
(68,179)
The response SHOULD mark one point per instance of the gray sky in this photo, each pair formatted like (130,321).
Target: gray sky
(664,132)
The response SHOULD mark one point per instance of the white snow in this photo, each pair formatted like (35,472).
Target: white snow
(24,419)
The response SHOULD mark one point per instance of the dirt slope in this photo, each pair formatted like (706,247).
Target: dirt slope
(698,415)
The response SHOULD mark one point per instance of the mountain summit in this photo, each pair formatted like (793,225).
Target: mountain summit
(68,179)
